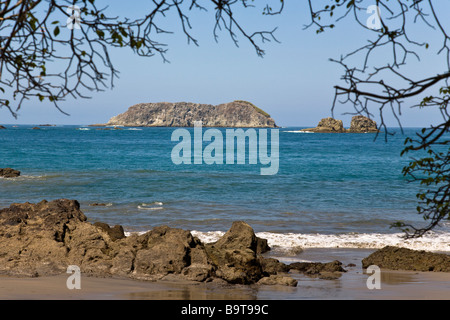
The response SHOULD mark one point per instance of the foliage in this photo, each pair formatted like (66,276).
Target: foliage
(257,109)
(38,61)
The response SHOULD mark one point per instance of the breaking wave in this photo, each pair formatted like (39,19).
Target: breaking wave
(156,205)
(289,241)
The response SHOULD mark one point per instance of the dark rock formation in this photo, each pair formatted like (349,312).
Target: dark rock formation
(9,173)
(361,124)
(115,233)
(235,255)
(273,266)
(183,114)
(2,127)
(395,258)
(45,238)
(328,125)
(278,280)
(329,271)
(241,235)
(167,250)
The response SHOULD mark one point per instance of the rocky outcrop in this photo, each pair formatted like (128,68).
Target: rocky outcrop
(183,114)
(45,238)
(328,125)
(395,258)
(2,127)
(9,173)
(359,124)
(115,233)
(235,255)
(329,271)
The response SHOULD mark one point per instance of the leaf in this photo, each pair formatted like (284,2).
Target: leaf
(56,31)
(100,33)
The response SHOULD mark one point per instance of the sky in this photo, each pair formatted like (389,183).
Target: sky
(293,82)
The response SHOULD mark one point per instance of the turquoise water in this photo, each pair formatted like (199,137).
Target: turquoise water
(331,186)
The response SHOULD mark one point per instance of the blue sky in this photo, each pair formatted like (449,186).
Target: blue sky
(293,82)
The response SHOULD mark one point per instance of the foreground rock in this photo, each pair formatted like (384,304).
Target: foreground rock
(235,255)
(358,124)
(183,114)
(329,271)
(45,238)
(9,173)
(395,258)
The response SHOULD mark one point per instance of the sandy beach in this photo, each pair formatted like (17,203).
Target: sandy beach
(395,285)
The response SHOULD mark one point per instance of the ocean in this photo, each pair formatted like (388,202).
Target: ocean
(330,190)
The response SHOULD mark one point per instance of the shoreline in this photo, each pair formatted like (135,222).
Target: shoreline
(395,285)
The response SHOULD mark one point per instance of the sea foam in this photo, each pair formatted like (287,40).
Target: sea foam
(289,241)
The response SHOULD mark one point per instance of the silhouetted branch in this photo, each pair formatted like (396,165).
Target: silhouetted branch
(37,62)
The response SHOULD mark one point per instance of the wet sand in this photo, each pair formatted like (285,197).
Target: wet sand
(404,285)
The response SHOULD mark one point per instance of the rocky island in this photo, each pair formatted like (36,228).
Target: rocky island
(183,114)
(359,124)
(9,173)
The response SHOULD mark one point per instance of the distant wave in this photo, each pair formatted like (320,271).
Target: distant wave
(28,177)
(128,233)
(149,208)
(289,241)
(134,129)
(83,129)
(156,205)
(298,131)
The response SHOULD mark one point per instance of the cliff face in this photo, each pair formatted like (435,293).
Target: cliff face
(183,114)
